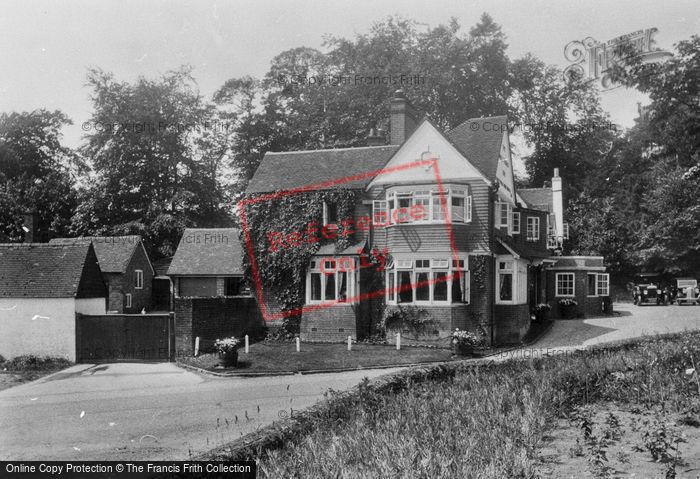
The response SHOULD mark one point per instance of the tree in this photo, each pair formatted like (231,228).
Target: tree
(157,150)
(35,172)
(311,99)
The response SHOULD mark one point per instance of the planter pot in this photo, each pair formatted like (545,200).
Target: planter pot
(229,359)
(568,312)
(542,316)
(461,349)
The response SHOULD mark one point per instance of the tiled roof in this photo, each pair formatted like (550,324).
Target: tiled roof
(579,262)
(537,198)
(208,252)
(479,140)
(113,252)
(295,169)
(41,270)
(330,249)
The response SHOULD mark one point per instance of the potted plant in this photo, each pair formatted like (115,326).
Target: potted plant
(568,308)
(228,351)
(541,312)
(464,342)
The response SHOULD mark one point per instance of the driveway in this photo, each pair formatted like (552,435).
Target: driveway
(161,412)
(632,321)
(150,411)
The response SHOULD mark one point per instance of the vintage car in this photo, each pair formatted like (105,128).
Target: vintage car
(648,290)
(687,291)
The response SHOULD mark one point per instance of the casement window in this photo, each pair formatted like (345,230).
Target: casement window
(504,215)
(516,222)
(331,280)
(511,280)
(598,284)
(565,284)
(533,228)
(380,213)
(423,206)
(128,300)
(427,281)
(330,213)
(461,206)
(506,280)
(138,279)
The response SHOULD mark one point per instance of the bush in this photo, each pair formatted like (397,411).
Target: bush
(30,362)
(415,320)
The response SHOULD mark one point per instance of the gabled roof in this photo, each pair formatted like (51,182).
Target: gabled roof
(479,140)
(208,252)
(295,169)
(160,266)
(537,198)
(41,270)
(113,252)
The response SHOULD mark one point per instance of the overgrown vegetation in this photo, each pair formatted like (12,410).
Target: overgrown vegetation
(490,420)
(28,368)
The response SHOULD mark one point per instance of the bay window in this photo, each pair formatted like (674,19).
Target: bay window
(511,280)
(505,281)
(427,281)
(423,206)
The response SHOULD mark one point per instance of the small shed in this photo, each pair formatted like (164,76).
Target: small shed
(582,279)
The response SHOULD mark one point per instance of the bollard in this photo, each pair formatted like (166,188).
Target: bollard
(398,341)
(349,343)
(247,344)
(196,346)
(298,345)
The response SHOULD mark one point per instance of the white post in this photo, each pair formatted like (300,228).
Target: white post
(349,343)
(247,344)
(398,341)
(298,345)
(196,346)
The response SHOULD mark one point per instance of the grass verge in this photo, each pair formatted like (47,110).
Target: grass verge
(282,356)
(491,420)
(22,369)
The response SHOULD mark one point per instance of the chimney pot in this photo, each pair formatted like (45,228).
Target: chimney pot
(556,172)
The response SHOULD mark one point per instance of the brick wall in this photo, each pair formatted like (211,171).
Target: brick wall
(334,323)
(213,318)
(511,323)
(587,306)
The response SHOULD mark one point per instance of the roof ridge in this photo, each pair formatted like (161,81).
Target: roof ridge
(329,149)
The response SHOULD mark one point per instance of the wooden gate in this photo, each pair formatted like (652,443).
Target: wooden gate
(125,337)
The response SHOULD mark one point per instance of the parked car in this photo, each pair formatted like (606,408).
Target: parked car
(647,290)
(687,291)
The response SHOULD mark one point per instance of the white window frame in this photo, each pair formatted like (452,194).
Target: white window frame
(533,228)
(434,266)
(128,300)
(557,291)
(513,273)
(431,201)
(380,206)
(351,278)
(516,224)
(602,285)
(500,215)
(138,279)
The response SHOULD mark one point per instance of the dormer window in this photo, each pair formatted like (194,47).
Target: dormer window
(330,213)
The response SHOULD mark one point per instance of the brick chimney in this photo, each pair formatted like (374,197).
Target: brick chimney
(30,226)
(376,138)
(404,118)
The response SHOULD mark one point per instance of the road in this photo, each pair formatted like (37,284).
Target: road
(150,411)
(159,411)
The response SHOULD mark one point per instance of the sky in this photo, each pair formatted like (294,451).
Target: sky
(46,47)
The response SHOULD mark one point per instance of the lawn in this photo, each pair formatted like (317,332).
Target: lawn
(627,409)
(273,356)
(23,369)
